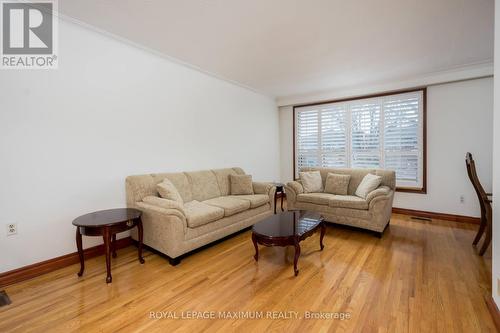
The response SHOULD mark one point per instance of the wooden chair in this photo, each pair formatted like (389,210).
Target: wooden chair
(484,203)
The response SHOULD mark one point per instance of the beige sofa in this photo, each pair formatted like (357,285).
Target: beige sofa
(373,213)
(208,213)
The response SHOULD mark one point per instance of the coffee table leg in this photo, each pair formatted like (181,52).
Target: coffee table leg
(323,231)
(254,240)
(107,246)
(139,246)
(297,255)
(113,245)
(80,250)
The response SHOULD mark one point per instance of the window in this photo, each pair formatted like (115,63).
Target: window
(384,131)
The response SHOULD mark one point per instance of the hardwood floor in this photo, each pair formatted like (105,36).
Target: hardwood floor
(420,277)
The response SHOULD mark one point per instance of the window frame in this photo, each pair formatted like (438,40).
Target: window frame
(423,189)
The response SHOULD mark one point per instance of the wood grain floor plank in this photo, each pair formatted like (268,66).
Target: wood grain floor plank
(420,277)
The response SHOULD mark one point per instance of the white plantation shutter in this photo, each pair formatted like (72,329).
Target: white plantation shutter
(380,132)
(307,137)
(365,135)
(402,139)
(334,136)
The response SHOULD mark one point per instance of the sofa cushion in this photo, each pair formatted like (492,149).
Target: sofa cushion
(199,213)
(316,198)
(230,205)
(337,184)
(229,224)
(141,186)
(256,200)
(369,183)
(238,170)
(203,185)
(222,176)
(348,201)
(311,181)
(168,191)
(356,175)
(181,183)
(241,184)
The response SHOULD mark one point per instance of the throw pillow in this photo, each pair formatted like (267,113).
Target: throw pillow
(241,184)
(167,190)
(311,181)
(337,184)
(369,183)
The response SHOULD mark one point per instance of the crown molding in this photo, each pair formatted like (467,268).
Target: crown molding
(467,72)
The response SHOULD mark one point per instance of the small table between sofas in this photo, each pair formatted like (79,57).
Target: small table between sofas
(107,223)
(281,192)
(288,228)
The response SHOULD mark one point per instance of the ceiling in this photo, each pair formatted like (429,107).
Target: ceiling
(290,47)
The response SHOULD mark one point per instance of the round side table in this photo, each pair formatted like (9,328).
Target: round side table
(280,188)
(107,223)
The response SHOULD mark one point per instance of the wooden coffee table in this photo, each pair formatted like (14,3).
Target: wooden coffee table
(107,223)
(288,228)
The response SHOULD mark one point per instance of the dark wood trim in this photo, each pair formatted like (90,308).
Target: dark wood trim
(31,271)
(438,216)
(293,147)
(493,308)
(424,143)
(4,298)
(353,98)
(422,190)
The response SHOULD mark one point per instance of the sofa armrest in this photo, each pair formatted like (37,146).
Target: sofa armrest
(162,210)
(164,203)
(265,188)
(380,208)
(296,187)
(292,190)
(261,187)
(380,191)
(164,228)
(379,201)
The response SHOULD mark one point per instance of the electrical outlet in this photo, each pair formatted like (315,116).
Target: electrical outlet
(11,229)
(462,198)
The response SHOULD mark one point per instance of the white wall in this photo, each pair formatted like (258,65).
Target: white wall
(459,117)
(286,143)
(496,165)
(69,137)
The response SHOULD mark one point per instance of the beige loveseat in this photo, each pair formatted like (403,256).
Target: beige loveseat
(373,213)
(209,211)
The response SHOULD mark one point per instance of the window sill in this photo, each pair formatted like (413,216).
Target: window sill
(412,190)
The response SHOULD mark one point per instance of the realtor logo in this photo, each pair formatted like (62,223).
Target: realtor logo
(28,35)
